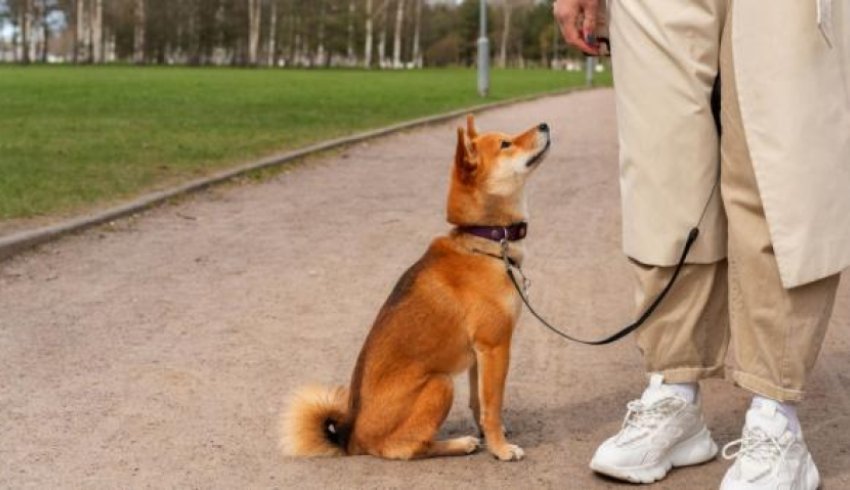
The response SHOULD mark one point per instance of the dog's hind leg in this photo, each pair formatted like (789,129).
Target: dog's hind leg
(414,438)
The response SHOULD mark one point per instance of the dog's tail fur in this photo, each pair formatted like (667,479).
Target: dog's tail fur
(316,422)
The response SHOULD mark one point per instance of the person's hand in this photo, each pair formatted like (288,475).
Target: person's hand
(577,19)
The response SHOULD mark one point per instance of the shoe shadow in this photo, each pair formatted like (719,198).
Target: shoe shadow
(825,418)
(580,421)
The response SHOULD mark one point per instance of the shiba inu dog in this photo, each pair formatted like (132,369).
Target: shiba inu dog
(454,310)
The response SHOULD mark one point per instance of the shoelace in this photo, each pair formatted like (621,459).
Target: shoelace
(757,446)
(643,418)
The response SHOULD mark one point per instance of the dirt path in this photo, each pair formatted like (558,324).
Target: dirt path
(157,352)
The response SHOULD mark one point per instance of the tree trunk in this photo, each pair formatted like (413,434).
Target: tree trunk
(45,31)
(367,48)
(399,22)
(108,45)
(555,47)
(417,41)
(272,54)
(298,42)
(97,32)
(87,30)
(254,13)
(15,50)
(194,49)
(219,50)
(79,31)
(139,32)
(382,37)
(26,26)
(320,49)
(349,51)
(16,41)
(292,52)
(382,43)
(506,32)
(73,24)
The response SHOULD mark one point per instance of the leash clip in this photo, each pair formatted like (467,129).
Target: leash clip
(509,267)
(503,243)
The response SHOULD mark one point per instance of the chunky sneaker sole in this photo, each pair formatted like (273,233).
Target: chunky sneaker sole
(812,474)
(698,449)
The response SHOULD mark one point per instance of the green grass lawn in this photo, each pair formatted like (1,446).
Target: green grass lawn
(76,137)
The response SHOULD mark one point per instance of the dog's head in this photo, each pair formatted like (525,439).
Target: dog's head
(489,174)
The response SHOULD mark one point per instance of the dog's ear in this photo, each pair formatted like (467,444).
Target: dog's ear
(466,158)
(471,130)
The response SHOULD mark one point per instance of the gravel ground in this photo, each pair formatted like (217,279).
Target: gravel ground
(157,351)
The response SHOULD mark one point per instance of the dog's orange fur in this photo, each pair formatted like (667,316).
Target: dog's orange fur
(454,310)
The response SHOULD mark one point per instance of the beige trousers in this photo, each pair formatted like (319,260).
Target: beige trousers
(776,333)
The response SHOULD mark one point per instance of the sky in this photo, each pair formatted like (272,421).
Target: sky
(57,20)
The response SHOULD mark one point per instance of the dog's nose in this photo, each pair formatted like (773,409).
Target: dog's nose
(543,127)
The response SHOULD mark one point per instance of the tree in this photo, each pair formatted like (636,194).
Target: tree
(367,48)
(80,34)
(254,13)
(139,32)
(298,32)
(399,21)
(97,32)
(271,58)
(507,8)
(26,31)
(417,36)
(295,49)
(42,12)
(536,34)
(382,38)
(350,57)
(321,57)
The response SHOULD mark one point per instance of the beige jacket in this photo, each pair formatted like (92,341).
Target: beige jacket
(792,65)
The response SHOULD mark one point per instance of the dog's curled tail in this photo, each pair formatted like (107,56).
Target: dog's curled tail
(315,423)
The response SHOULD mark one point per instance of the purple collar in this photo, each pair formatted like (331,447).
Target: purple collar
(511,233)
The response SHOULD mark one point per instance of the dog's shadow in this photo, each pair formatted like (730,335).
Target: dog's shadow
(533,426)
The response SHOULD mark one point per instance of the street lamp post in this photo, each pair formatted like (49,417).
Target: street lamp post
(589,69)
(483,53)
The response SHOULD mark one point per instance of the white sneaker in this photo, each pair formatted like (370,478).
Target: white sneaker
(661,430)
(769,456)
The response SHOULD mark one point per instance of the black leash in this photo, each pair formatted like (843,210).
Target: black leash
(689,242)
(510,266)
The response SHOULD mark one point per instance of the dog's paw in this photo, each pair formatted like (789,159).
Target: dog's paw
(470,444)
(508,452)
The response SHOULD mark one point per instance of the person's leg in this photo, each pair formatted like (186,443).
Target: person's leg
(776,333)
(686,338)
(665,65)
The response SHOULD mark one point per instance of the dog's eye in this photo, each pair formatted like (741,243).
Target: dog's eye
(506,144)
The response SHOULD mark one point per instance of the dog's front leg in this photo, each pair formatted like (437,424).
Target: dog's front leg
(474,400)
(492,372)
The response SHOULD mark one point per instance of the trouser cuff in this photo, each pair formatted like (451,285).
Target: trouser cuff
(765,388)
(690,374)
